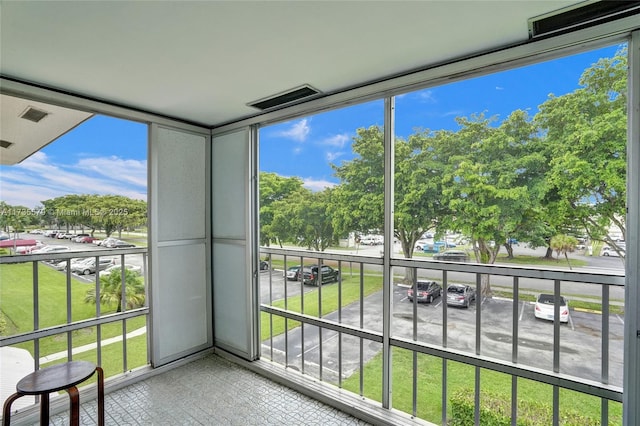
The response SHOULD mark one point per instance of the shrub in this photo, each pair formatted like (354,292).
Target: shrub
(496,411)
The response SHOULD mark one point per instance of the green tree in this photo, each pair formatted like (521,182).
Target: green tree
(586,132)
(493,183)
(303,218)
(273,188)
(359,199)
(111,290)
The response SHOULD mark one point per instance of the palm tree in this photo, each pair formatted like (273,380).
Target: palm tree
(111,290)
(563,244)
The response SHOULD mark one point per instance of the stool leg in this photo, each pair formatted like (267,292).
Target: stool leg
(6,411)
(44,409)
(74,407)
(100,396)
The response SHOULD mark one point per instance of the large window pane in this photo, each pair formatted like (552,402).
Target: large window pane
(524,167)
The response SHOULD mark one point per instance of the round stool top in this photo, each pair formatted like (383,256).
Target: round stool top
(55,378)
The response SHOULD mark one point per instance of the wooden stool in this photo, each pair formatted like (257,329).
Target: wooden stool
(56,378)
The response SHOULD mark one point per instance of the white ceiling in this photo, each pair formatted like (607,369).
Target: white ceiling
(204,61)
(27,136)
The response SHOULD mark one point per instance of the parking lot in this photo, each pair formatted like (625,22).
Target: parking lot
(580,338)
(132,259)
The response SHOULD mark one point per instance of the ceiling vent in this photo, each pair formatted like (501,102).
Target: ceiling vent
(582,15)
(290,96)
(34,114)
(5,144)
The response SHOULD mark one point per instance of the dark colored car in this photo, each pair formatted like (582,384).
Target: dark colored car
(427,291)
(452,256)
(460,295)
(312,275)
(264,265)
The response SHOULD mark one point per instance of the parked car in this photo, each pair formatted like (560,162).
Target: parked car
(438,246)
(608,251)
(86,239)
(76,238)
(50,249)
(29,249)
(133,268)
(420,244)
(62,265)
(545,304)
(452,256)
(311,274)
(427,291)
(371,240)
(88,266)
(120,244)
(104,242)
(292,273)
(460,295)
(264,265)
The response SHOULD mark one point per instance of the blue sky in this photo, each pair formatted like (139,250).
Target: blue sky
(305,147)
(103,155)
(109,156)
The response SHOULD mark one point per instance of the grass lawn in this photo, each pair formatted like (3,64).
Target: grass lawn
(16,294)
(461,376)
(350,294)
(111,357)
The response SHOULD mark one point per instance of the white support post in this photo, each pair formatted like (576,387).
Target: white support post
(631,410)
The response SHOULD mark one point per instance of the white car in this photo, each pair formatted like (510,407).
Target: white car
(421,243)
(608,251)
(50,249)
(62,265)
(132,268)
(544,308)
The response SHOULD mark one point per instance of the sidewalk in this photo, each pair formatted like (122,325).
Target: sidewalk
(90,346)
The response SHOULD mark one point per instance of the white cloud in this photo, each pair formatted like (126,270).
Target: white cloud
(298,131)
(337,140)
(317,185)
(427,96)
(131,171)
(37,179)
(499,88)
(331,156)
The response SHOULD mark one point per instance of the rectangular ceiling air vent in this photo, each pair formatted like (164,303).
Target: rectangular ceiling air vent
(582,15)
(288,97)
(34,114)
(5,144)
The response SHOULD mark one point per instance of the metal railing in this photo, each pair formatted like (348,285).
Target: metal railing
(75,324)
(313,323)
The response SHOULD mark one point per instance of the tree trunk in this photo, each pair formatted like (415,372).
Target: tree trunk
(549,254)
(509,248)
(407,251)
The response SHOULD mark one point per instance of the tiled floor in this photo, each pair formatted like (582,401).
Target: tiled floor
(210,391)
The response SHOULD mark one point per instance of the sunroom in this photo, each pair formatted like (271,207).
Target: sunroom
(402,131)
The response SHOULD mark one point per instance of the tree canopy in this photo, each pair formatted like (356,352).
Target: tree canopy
(526,179)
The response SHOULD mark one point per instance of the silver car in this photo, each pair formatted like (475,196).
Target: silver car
(460,295)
